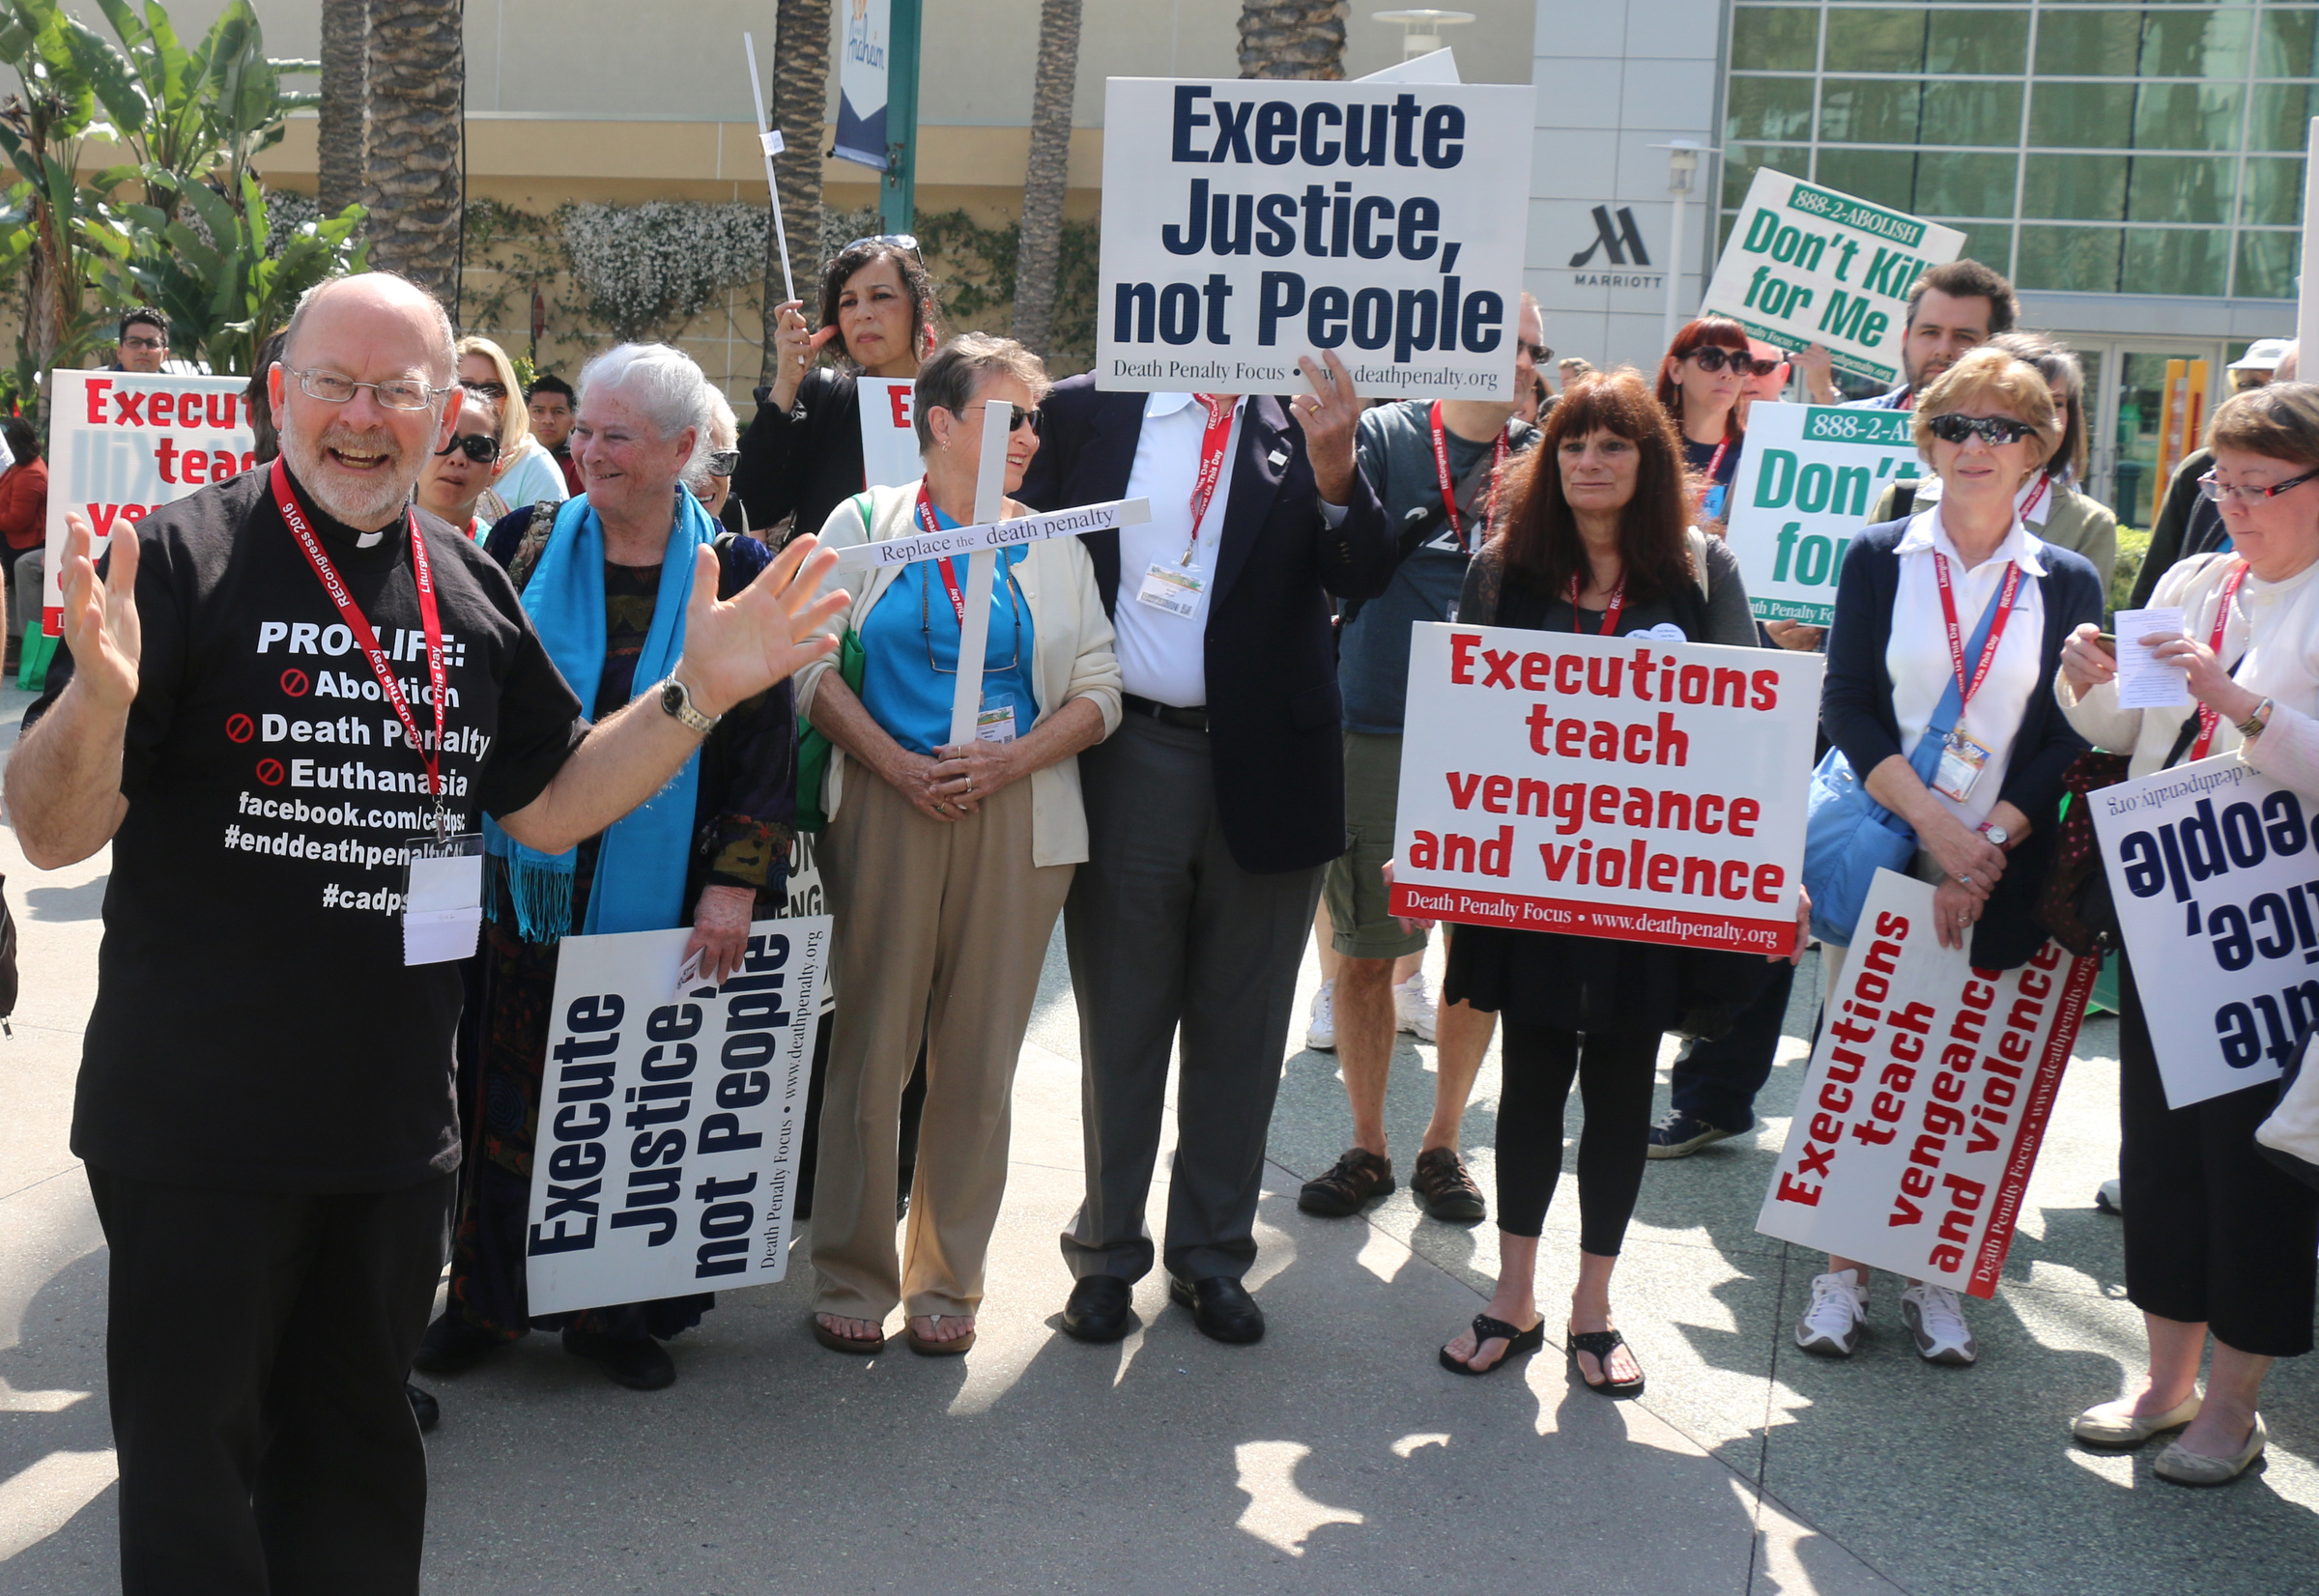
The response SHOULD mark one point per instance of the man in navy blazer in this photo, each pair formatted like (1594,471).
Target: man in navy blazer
(1211,813)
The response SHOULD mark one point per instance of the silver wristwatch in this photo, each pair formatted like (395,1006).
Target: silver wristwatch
(1995,834)
(678,699)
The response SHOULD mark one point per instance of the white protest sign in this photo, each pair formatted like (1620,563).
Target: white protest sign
(1624,788)
(999,535)
(862,83)
(2216,884)
(1926,1101)
(1806,265)
(1811,475)
(808,897)
(1247,224)
(889,432)
(122,444)
(669,1122)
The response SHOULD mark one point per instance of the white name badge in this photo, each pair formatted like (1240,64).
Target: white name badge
(1172,589)
(443,898)
(994,725)
(1962,761)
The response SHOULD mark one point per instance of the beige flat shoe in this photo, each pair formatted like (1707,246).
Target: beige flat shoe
(2116,1424)
(2181,1467)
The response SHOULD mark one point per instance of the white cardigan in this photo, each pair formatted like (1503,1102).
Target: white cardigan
(1070,653)
(2276,625)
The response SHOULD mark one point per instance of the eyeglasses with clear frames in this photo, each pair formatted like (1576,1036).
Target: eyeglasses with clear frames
(2223,493)
(395,393)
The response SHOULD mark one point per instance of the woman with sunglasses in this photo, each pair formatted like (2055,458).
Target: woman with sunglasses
(528,473)
(1701,382)
(2217,1239)
(710,477)
(456,484)
(802,455)
(1948,627)
(947,863)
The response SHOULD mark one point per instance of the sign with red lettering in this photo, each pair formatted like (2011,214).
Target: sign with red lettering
(889,433)
(122,444)
(1628,787)
(1927,1096)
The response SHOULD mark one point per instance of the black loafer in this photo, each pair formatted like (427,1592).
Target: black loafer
(452,1346)
(423,1407)
(1222,1307)
(1101,1308)
(642,1365)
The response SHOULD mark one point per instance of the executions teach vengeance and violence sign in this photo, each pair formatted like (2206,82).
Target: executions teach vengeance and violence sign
(1633,788)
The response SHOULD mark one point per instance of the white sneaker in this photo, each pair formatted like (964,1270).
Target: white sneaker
(1831,1325)
(1412,1008)
(1937,1319)
(1321,1033)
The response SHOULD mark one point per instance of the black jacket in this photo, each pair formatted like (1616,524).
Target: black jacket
(1274,717)
(805,461)
(1856,708)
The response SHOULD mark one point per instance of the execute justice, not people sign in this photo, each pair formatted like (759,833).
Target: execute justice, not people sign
(1633,788)
(1248,223)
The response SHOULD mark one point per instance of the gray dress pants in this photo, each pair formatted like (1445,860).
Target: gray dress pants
(1166,931)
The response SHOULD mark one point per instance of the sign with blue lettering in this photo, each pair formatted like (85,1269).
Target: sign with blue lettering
(669,1117)
(1806,265)
(1809,477)
(1248,223)
(2217,884)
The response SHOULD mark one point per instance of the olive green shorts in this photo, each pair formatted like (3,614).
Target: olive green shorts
(1361,914)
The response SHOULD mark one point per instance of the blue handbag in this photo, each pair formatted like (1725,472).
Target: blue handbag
(1848,836)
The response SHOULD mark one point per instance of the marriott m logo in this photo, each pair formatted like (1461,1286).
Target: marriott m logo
(1623,244)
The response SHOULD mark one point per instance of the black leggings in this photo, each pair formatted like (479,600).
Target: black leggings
(1615,1070)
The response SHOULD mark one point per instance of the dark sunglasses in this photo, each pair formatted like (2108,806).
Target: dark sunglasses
(1019,418)
(479,446)
(1994,429)
(1539,354)
(1715,358)
(488,390)
(721,461)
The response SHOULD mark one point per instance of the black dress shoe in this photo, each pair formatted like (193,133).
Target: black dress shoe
(640,1364)
(1222,1307)
(452,1346)
(1101,1308)
(423,1407)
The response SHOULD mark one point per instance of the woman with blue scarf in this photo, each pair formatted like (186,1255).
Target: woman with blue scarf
(605,578)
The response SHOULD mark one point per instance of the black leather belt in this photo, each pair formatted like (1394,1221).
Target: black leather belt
(1166,714)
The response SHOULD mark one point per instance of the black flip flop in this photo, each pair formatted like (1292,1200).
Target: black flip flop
(1518,1344)
(1601,1343)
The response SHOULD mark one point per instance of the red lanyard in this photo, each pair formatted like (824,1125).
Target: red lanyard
(1716,464)
(1213,440)
(2208,716)
(1610,614)
(2037,497)
(359,624)
(950,581)
(1996,630)
(1440,469)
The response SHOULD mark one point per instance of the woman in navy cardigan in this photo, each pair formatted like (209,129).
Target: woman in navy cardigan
(1907,608)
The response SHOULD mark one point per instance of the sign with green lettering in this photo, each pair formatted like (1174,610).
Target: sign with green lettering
(1811,475)
(1806,265)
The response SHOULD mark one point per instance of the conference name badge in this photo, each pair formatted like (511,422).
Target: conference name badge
(994,725)
(442,897)
(1173,588)
(1962,761)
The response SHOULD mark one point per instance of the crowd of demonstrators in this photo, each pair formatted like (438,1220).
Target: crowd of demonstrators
(23,528)
(1949,722)
(276,1230)
(1440,469)
(1703,379)
(947,862)
(2217,1239)
(1599,541)
(2189,522)
(552,407)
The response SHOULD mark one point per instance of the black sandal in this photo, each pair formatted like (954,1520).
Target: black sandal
(1518,1344)
(1601,1343)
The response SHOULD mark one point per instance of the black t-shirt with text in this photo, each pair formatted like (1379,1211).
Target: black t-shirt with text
(255,1026)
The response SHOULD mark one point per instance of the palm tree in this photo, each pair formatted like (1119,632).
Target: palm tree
(345,109)
(1048,172)
(414,185)
(800,91)
(1293,39)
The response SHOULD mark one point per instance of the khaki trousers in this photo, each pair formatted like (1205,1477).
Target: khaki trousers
(941,928)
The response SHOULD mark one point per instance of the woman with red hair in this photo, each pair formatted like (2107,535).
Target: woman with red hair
(1702,378)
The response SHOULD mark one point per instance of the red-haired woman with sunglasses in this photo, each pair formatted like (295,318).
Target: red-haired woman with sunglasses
(1701,382)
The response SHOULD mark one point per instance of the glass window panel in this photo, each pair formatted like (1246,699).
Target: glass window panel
(2175,260)
(1886,40)
(2074,188)
(1987,241)
(1769,107)
(2180,189)
(1775,39)
(2267,266)
(2271,193)
(2081,116)
(2088,43)
(1976,41)
(2281,116)
(2187,116)
(2287,44)
(1869,110)
(1742,160)
(1964,184)
(2192,42)
(1885,177)
(1971,113)
(2080,260)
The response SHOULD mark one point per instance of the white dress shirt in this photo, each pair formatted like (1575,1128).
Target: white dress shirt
(1162,655)
(1916,653)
